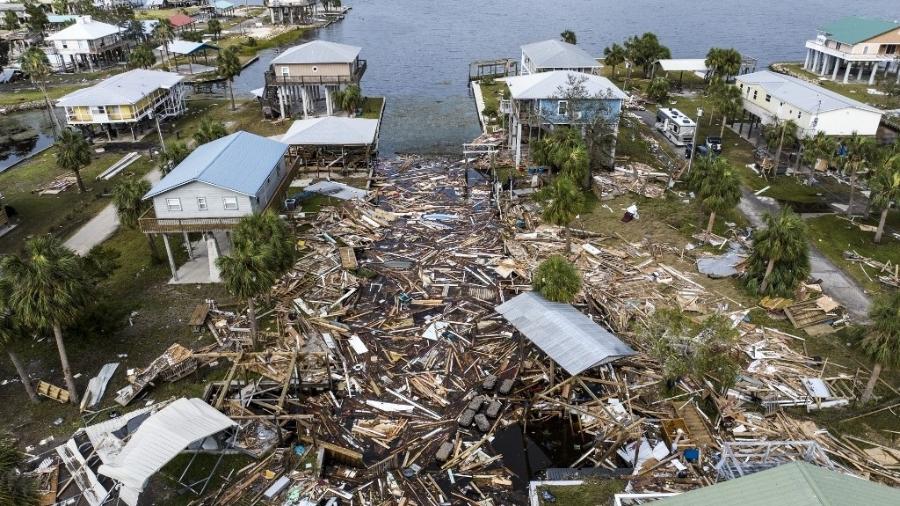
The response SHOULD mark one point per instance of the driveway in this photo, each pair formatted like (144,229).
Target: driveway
(835,282)
(101,226)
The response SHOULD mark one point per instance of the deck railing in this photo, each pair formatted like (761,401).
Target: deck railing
(150,224)
(275,79)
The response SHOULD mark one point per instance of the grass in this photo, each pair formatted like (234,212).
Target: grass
(593,492)
(832,235)
(57,214)
(855,90)
(16,97)
(371,108)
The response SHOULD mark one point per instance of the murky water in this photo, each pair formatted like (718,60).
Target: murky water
(38,121)
(419,50)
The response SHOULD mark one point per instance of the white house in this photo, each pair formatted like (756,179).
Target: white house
(215,186)
(554,54)
(768,96)
(89,43)
(855,47)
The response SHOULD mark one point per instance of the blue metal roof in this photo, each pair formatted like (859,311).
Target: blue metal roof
(239,162)
(222,4)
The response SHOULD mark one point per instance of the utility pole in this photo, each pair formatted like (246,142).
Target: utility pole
(694,143)
(162,142)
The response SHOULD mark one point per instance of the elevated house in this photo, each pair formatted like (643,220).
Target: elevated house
(291,12)
(855,48)
(182,22)
(133,100)
(547,100)
(770,96)
(333,142)
(89,43)
(302,79)
(549,55)
(214,187)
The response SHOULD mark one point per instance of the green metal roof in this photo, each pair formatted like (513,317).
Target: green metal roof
(852,30)
(794,484)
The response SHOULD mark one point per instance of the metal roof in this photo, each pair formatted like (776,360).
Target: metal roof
(332,131)
(319,51)
(239,162)
(186,47)
(683,64)
(569,337)
(553,84)
(159,439)
(853,30)
(179,20)
(794,484)
(337,190)
(556,54)
(803,95)
(60,18)
(125,88)
(85,28)
(222,5)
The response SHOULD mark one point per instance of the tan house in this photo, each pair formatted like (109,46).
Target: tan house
(133,99)
(855,48)
(302,80)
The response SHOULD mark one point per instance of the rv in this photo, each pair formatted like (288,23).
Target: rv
(677,127)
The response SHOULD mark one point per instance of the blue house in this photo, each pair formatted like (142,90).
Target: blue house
(546,100)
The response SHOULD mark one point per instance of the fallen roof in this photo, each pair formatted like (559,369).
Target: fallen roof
(319,51)
(85,28)
(794,484)
(556,54)
(553,85)
(125,88)
(332,131)
(805,95)
(159,439)
(239,162)
(179,20)
(683,65)
(853,29)
(570,338)
(337,190)
(186,47)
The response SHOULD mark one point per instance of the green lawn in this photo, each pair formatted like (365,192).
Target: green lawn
(32,95)
(592,492)
(371,108)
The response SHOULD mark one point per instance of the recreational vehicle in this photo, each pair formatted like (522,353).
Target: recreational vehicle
(677,127)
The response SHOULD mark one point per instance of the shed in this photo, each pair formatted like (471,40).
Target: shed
(570,338)
(794,484)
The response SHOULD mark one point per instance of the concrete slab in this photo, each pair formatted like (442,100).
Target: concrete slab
(197,271)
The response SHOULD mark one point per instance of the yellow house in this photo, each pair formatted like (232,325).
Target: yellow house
(132,99)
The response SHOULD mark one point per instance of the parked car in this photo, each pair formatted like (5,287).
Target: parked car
(714,144)
(701,150)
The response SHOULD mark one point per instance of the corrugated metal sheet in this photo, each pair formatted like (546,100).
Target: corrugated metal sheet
(569,337)
(556,54)
(319,51)
(549,84)
(794,484)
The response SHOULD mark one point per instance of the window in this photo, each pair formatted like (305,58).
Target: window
(741,86)
(315,69)
(754,94)
(562,107)
(173,204)
(799,114)
(285,71)
(201,204)
(230,203)
(768,97)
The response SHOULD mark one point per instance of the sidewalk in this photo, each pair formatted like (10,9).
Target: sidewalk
(100,227)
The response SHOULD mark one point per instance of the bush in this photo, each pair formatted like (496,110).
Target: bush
(556,279)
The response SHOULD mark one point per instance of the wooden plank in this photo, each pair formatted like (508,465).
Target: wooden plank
(348,258)
(198,317)
(53,392)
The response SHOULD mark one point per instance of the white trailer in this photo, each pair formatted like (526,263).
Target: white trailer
(677,127)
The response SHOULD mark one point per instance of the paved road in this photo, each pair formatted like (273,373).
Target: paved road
(101,226)
(835,282)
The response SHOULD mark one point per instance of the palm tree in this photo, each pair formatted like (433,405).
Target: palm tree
(882,343)
(268,229)
(214,27)
(10,333)
(10,20)
(16,488)
(229,68)
(174,154)
(349,99)
(556,279)
(818,147)
(658,89)
(37,66)
(719,189)
(728,101)
(614,56)
(779,133)
(562,203)
(164,33)
(783,249)
(73,153)
(48,290)
(568,36)
(723,63)
(141,57)
(128,197)
(247,276)
(209,131)
(885,186)
(860,150)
